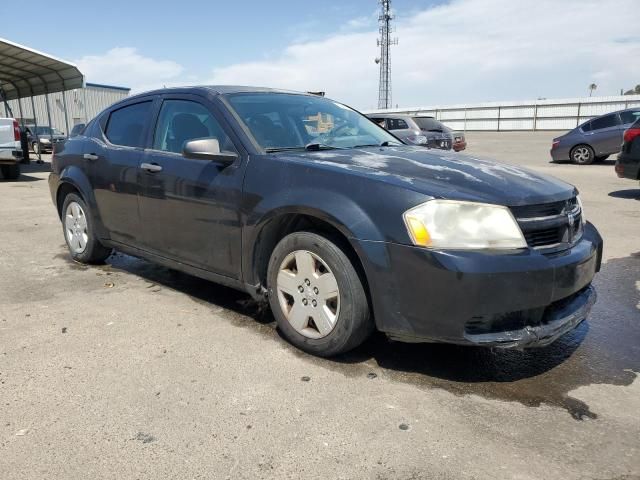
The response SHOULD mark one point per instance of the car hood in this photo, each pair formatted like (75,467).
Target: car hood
(443,174)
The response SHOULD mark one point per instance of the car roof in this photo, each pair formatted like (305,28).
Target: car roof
(217,90)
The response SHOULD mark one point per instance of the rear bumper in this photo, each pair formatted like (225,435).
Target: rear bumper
(10,157)
(628,166)
(516,300)
(560,154)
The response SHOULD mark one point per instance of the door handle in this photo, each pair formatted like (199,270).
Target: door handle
(90,156)
(151,167)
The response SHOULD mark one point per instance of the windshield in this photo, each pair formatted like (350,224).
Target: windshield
(281,121)
(430,124)
(48,131)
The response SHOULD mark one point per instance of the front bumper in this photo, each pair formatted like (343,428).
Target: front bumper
(516,300)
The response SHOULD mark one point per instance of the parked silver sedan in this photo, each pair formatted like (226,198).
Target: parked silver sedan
(595,139)
(421,130)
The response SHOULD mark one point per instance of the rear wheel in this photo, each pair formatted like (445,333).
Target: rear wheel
(79,232)
(582,155)
(11,172)
(316,295)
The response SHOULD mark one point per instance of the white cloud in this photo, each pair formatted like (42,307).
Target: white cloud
(126,67)
(468,50)
(461,51)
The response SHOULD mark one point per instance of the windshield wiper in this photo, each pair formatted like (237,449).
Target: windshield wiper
(386,143)
(320,146)
(281,149)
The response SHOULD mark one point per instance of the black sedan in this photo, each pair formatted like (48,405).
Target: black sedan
(628,162)
(308,205)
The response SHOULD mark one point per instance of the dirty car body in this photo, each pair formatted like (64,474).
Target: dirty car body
(298,163)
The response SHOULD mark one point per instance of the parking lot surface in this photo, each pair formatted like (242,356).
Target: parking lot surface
(132,370)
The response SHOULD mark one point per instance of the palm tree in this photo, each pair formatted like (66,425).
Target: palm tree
(592,87)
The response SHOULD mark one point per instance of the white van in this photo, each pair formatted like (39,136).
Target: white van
(10,148)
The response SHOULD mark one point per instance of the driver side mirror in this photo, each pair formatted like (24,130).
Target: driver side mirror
(207,149)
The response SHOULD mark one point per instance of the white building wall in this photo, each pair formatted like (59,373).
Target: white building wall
(82,105)
(552,114)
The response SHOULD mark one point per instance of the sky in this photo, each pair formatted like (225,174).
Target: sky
(449,52)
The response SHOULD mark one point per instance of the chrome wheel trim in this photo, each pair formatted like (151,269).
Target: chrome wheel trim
(75,227)
(308,294)
(581,154)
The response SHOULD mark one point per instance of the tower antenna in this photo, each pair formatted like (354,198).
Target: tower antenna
(384,42)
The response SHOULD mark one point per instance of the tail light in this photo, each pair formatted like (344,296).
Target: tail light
(619,170)
(16,131)
(555,144)
(630,134)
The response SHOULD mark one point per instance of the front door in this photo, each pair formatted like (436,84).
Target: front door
(190,208)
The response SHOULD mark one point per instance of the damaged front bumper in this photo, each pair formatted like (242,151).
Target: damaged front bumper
(556,321)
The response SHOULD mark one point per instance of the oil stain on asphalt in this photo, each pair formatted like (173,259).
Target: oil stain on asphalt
(603,350)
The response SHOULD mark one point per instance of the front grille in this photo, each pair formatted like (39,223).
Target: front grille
(550,225)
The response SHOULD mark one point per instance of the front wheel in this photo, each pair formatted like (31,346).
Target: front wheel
(316,295)
(582,155)
(79,233)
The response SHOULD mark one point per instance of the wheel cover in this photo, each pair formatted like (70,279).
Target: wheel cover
(581,154)
(75,226)
(308,294)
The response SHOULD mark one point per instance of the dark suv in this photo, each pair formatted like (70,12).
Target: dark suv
(307,204)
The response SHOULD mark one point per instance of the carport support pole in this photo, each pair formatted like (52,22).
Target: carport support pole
(35,126)
(66,116)
(46,98)
(21,113)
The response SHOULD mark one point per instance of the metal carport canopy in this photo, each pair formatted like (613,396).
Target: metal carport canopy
(25,72)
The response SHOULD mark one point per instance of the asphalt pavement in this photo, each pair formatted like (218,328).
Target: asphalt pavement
(133,371)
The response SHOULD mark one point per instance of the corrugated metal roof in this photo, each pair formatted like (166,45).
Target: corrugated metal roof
(25,72)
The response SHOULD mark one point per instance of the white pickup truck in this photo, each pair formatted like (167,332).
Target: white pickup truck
(10,149)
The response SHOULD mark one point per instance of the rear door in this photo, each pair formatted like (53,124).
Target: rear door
(606,135)
(399,127)
(190,208)
(113,156)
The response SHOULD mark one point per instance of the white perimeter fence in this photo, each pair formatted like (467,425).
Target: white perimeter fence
(547,114)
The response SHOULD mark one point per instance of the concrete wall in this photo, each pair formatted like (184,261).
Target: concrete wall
(552,114)
(82,105)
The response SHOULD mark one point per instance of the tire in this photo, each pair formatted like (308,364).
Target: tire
(36,148)
(582,155)
(331,315)
(11,172)
(79,234)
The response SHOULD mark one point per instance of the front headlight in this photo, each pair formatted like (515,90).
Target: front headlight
(417,139)
(44,140)
(581,209)
(450,224)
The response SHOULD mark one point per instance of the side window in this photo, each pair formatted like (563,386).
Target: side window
(586,127)
(125,126)
(184,120)
(397,124)
(604,122)
(629,117)
(379,121)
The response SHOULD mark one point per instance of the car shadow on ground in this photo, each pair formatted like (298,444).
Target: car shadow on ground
(629,194)
(603,350)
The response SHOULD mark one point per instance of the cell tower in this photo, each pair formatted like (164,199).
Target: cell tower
(384,42)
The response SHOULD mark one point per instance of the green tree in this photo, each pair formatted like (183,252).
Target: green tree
(633,91)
